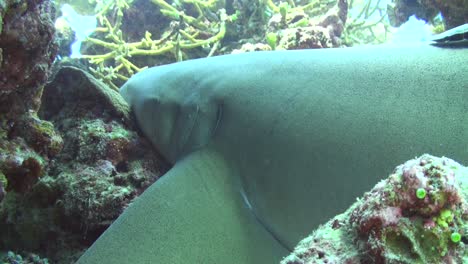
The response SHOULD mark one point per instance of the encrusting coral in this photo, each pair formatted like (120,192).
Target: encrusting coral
(417,215)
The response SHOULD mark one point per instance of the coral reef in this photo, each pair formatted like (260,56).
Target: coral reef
(305,38)
(71,161)
(26,143)
(171,31)
(12,258)
(417,215)
(367,23)
(60,199)
(296,25)
(253,47)
(187,25)
(64,36)
(318,24)
(454,12)
(3,185)
(27,52)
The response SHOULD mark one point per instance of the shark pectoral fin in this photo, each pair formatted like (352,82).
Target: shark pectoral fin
(194,214)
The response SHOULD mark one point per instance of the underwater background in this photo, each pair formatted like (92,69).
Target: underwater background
(71,159)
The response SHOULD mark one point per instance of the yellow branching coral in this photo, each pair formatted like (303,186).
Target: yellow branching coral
(116,64)
(289,8)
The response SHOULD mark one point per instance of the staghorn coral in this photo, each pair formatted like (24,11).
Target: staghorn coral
(294,24)
(391,224)
(193,24)
(367,23)
(178,30)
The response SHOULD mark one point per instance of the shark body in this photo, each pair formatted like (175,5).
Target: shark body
(266,146)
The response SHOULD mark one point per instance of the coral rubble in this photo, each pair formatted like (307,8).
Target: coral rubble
(417,215)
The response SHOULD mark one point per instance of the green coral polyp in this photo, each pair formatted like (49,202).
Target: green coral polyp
(283,9)
(421,193)
(445,218)
(455,237)
(272,40)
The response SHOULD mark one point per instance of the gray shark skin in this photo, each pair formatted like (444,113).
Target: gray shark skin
(266,146)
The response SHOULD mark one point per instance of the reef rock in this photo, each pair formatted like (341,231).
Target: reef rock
(417,215)
(454,12)
(59,200)
(320,28)
(27,50)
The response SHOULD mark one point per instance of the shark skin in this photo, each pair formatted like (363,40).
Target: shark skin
(266,146)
